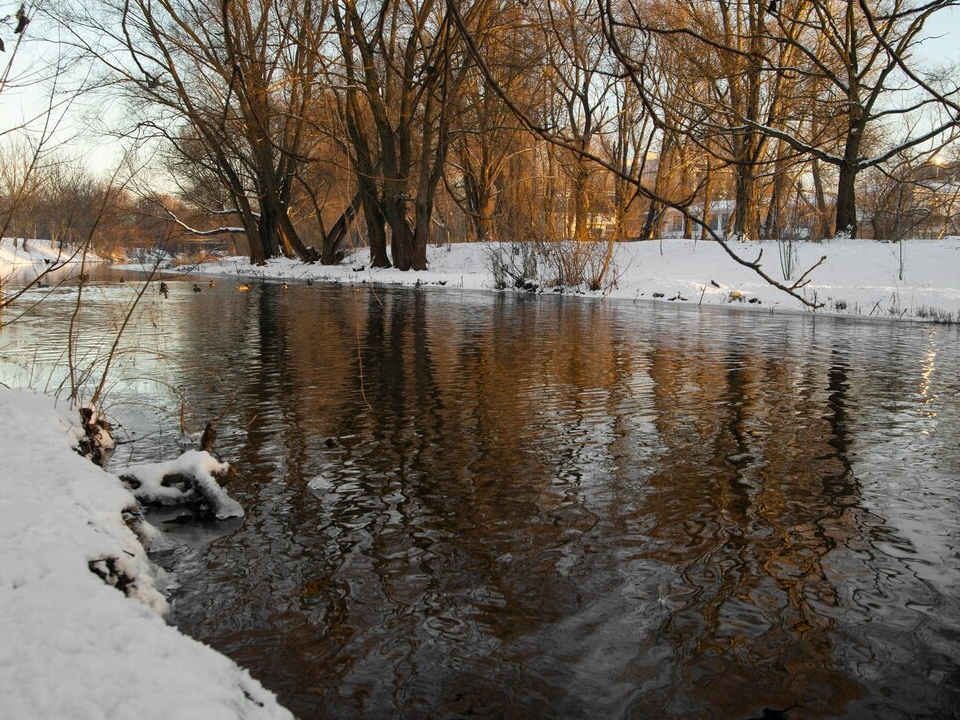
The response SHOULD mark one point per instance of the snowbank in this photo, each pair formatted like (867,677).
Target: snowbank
(858,277)
(38,252)
(72,646)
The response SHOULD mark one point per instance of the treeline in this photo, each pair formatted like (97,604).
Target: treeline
(297,123)
(59,200)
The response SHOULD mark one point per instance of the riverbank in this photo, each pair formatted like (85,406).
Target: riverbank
(73,646)
(912,279)
(38,253)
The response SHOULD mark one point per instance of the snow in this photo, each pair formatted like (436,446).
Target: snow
(858,277)
(200,467)
(38,253)
(73,646)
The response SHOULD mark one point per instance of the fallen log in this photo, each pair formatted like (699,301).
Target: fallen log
(195,478)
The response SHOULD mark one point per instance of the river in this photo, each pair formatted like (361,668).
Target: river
(516,506)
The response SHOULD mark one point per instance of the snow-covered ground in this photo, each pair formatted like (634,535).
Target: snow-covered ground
(858,277)
(38,252)
(72,646)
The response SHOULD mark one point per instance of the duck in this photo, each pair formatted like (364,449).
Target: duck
(196,288)
(243,287)
(212,284)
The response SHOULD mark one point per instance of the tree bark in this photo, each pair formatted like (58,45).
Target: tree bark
(331,253)
(376,227)
(846,202)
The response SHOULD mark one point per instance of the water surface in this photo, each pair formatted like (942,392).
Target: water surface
(501,506)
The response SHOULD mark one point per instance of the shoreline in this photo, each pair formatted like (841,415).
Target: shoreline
(859,278)
(75,644)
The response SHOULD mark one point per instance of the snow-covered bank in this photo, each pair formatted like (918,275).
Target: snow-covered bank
(72,646)
(858,277)
(38,252)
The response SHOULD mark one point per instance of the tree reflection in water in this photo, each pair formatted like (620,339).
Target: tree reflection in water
(513,506)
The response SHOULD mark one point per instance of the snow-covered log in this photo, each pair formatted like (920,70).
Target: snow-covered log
(191,478)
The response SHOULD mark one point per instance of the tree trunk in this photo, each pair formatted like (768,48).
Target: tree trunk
(483,221)
(846,202)
(402,241)
(653,221)
(746,215)
(820,197)
(376,228)
(421,236)
(331,253)
(251,229)
(267,230)
(846,184)
(707,201)
(581,230)
(772,224)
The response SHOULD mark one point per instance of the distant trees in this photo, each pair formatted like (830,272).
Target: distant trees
(53,197)
(490,154)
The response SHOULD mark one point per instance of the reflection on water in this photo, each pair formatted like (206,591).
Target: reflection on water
(521,507)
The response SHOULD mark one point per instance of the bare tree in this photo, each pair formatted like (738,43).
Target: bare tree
(227,87)
(849,64)
(485,137)
(403,67)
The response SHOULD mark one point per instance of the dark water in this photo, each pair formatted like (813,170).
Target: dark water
(497,506)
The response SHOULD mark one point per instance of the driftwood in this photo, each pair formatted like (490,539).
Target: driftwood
(97,443)
(195,479)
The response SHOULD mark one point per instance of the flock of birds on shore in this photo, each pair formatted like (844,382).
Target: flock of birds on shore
(242,287)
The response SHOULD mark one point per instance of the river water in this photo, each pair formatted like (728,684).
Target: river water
(510,506)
